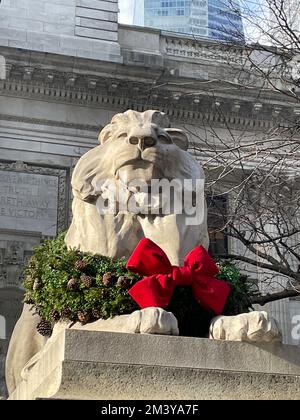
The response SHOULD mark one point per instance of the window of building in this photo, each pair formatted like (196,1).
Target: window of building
(200,31)
(216,220)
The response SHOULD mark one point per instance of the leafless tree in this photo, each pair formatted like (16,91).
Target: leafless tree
(259,171)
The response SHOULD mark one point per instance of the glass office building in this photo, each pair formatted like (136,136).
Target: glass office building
(217,19)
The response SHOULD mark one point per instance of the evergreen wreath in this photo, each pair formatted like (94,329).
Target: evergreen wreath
(68,284)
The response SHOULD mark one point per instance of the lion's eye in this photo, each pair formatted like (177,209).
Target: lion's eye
(122,135)
(164,139)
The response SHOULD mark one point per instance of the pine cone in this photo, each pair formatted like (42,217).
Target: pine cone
(37,285)
(66,313)
(55,315)
(81,265)
(97,313)
(87,281)
(72,284)
(83,317)
(107,279)
(44,328)
(122,282)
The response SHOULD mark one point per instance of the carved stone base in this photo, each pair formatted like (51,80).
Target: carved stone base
(106,365)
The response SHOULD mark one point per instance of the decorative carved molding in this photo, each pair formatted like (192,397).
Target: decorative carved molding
(52,123)
(14,256)
(139,93)
(14,253)
(63,189)
(3,272)
(3,275)
(185,113)
(191,48)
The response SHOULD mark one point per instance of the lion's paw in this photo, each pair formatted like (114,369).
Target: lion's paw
(155,321)
(252,327)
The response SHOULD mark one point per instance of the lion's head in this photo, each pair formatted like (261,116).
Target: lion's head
(135,146)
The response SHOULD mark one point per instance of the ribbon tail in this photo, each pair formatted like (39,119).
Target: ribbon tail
(211,293)
(152,291)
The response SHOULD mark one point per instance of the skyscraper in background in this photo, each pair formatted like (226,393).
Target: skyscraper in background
(217,19)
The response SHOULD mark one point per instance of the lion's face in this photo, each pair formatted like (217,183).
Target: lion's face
(135,146)
(140,151)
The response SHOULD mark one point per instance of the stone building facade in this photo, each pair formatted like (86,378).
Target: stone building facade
(69,67)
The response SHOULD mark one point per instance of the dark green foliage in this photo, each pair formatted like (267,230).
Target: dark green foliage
(193,320)
(242,290)
(73,285)
(53,267)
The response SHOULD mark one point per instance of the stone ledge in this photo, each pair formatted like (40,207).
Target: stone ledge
(108,381)
(107,365)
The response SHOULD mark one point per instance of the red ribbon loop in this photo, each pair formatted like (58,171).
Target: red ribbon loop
(156,289)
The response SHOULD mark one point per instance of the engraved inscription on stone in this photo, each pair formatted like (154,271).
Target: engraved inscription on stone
(28,202)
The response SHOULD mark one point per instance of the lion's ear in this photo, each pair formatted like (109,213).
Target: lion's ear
(179,137)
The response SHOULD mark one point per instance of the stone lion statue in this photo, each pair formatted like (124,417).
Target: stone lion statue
(138,147)
(134,145)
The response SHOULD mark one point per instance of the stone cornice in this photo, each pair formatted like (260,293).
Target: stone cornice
(186,113)
(90,83)
(41,121)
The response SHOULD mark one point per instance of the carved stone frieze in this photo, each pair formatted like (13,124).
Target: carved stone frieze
(14,253)
(216,52)
(181,101)
(39,121)
(3,272)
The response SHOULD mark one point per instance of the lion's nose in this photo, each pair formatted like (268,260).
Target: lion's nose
(143,142)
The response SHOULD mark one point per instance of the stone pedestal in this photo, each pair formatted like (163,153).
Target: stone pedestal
(107,365)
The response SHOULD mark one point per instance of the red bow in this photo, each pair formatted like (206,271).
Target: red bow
(199,269)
